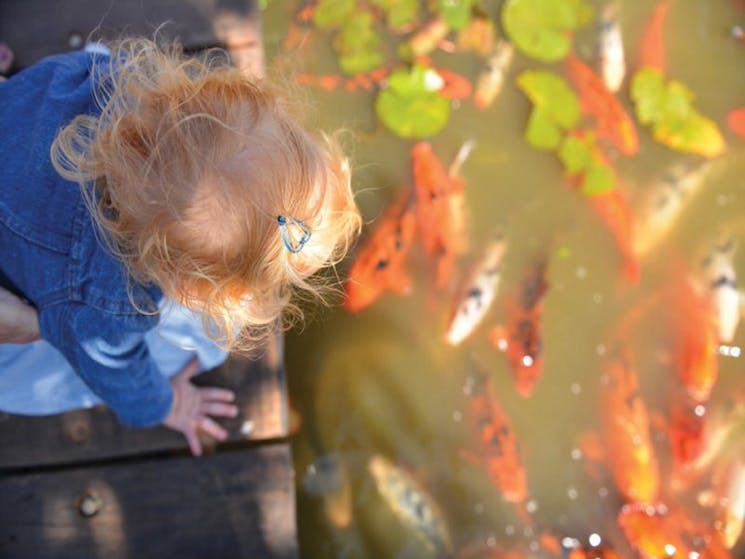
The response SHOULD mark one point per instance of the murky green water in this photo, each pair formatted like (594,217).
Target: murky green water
(383,382)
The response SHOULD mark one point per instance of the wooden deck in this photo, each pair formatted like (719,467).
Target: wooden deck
(79,485)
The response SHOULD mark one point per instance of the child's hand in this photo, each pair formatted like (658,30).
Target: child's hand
(19,322)
(192,406)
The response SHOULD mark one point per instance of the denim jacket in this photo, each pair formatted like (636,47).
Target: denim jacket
(50,251)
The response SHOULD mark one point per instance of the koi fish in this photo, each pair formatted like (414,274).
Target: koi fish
(738,32)
(661,205)
(440,208)
(428,37)
(455,86)
(736,121)
(731,516)
(625,424)
(612,60)
(600,552)
(411,504)
(330,82)
(596,100)
(521,337)
(491,80)
(477,293)
(477,35)
(379,264)
(498,446)
(613,208)
(652,51)
(718,275)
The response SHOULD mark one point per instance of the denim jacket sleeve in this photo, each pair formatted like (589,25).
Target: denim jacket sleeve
(109,353)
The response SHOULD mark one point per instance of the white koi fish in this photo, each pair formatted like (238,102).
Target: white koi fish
(720,281)
(412,505)
(490,81)
(612,60)
(477,293)
(661,205)
(732,512)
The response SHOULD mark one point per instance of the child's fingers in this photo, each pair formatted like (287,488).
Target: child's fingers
(217,394)
(210,427)
(218,409)
(193,439)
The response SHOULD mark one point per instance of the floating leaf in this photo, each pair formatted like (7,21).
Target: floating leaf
(675,122)
(541,28)
(331,14)
(581,157)
(399,13)
(411,105)
(556,108)
(457,13)
(358,45)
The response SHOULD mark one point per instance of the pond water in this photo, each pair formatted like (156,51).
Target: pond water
(382,396)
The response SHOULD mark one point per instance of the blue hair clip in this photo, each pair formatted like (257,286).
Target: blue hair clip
(294,233)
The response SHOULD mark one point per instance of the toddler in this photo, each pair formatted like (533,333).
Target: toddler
(152,208)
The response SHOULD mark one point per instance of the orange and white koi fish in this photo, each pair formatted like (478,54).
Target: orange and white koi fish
(412,505)
(429,36)
(625,426)
(455,86)
(477,293)
(379,264)
(521,337)
(660,206)
(491,80)
(652,51)
(498,447)
(440,207)
(330,82)
(720,281)
(596,100)
(612,59)
(736,121)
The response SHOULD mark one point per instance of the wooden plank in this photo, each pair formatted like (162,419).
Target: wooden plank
(38,28)
(88,435)
(229,505)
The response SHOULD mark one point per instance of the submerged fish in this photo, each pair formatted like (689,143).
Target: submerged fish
(720,282)
(731,514)
(411,504)
(612,59)
(652,50)
(491,80)
(477,293)
(661,205)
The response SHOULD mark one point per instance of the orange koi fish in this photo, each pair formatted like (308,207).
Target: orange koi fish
(477,293)
(652,52)
(440,208)
(625,425)
(685,431)
(491,80)
(660,205)
(330,82)
(379,264)
(613,121)
(521,339)
(455,86)
(736,121)
(600,552)
(498,446)
(614,209)
(612,59)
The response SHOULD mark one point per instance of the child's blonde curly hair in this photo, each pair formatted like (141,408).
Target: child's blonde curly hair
(186,171)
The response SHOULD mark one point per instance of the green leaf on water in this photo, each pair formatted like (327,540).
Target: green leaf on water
(598,178)
(575,155)
(581,158)
(457,13)
(541,28)
(358,45)
(331,14)
(555,108)
(410,105)
(667,107)
(399,13)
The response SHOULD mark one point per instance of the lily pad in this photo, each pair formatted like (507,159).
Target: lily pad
(555,108)
(580,157)
(331,14)
(667,107)
(542,29)
(457,13)
(411,106)
(399,13)
(358,45)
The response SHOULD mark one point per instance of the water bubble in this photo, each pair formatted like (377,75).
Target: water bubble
(576,454)
(600,349)
(603,492)
(729,350)
(509,530)
(694,555)
(595,539)
(575,389)
(597,298)
(247,427)
(527,361)
(491,541)
(478,508)
(534,547)
(457,416)
(670,549)
(531,506)
(570,543)
(581,272)
(699,410)
(572,492)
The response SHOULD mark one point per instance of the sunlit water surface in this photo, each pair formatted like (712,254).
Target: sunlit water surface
(384,382)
